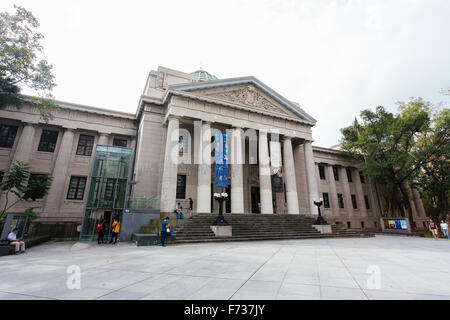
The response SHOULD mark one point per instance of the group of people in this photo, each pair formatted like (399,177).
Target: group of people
(101,229)
(432,226)
(179,209)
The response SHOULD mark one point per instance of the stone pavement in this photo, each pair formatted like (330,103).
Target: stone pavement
(409,268)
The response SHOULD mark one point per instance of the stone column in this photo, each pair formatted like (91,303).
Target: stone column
(103,139)
(359,193)
(169,178)
(58,188)
(289,177)
(302,184)
(237,172)
(204,170)
(265,184)
(313,188)
(333,190)
(419,204)
(25,144)
(347,193)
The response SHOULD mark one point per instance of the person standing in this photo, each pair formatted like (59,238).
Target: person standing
(115,231)
(433,228)
(444,228)
(164,226)
(19,246)
(191,205)
(100,232)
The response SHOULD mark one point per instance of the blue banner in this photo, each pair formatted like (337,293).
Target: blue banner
(221,157)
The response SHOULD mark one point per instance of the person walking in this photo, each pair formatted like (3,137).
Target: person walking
(444,228)
(115,231)
(433,228)
(191,205)
(19,246)
(100,229)
(179,211)
(164,227)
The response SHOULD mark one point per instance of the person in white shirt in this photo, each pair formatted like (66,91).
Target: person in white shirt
(444,228)
(19,246)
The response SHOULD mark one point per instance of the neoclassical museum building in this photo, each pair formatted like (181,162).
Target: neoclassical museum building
(107,163)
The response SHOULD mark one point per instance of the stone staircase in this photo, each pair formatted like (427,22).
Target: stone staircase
(247,227)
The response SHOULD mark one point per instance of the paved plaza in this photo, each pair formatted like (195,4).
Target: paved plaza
(408,268)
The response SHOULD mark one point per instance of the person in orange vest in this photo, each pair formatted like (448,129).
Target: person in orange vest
(115,231)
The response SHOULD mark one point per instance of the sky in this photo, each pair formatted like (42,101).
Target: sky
(334,57)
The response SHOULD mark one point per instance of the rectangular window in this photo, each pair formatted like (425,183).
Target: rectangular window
(109,188)
(362,224)
(355,205)
(2,173)
(33,176)
(85,145)
(361,177)
(322,172)
(181,186)
(336,173)
(349,174)
(366,200)
(7,136)
(120,142)
(76,188)
(326,200)
(48,141)
(340,200)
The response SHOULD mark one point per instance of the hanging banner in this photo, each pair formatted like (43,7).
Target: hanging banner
(275,167)
(221,158)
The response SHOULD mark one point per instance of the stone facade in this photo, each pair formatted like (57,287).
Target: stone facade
(174,104)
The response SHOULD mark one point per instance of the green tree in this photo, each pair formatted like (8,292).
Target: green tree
(19,66)
(387,144)
(17,182)
(434,179)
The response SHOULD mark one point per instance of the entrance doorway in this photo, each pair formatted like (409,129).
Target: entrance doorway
(254,192)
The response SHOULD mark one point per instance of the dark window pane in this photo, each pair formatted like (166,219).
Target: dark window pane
(48,141)
(326,200)
(355,206)
(366,199)
(181,186)
(349,174)
(85,145)
(361,177)
(336,173)
(7,136)
(76,188)
(120,143)
(322,172)
(340,200)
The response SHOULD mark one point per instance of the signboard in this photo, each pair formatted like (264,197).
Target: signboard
(395,225)
(221,158)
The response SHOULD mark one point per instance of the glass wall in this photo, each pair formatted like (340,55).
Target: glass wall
(107,188)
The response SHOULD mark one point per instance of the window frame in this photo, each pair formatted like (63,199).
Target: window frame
(349,174)
(354,201)
(49,146)
(11,134)
(322,172)
(341,201)
(326,200)
(85,146)
(120,145)
(77,188)
(336,173)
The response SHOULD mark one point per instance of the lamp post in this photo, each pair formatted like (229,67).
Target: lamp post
(320,220)
(220,197)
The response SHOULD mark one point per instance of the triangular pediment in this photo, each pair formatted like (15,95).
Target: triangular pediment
(247,95)
(248,92)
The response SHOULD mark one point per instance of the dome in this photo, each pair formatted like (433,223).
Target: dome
(203,75)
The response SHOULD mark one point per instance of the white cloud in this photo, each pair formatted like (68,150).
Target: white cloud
(333,57)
